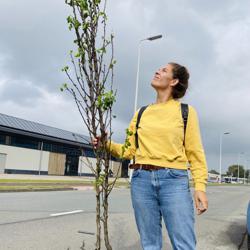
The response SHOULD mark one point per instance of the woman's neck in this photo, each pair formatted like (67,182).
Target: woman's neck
(163,98)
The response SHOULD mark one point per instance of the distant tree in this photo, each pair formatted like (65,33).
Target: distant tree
(213,171)
(247,174)
(233,171)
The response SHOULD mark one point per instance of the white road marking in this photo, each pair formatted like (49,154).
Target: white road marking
(65,213)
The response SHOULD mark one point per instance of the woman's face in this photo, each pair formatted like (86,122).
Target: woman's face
(163,78)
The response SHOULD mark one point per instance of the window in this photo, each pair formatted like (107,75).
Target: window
(89,153)
(24,142)
(47,146)
(2,139)
(64,149)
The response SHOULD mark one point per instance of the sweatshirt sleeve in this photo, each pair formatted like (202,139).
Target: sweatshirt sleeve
(116,148)
(195,152)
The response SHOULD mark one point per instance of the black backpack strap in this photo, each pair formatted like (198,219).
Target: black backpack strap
(184,112)
(137,126)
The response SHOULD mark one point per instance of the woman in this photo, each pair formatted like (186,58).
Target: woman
(160,184)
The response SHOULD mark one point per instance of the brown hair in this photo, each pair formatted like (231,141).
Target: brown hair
(181,73)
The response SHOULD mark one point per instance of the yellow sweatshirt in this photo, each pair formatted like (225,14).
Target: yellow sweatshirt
(160,139)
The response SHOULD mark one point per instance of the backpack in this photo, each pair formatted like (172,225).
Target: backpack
(184,113)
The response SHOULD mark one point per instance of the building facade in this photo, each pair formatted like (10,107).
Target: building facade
(28,147)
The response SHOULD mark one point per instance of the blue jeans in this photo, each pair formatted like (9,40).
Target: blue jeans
(163,193)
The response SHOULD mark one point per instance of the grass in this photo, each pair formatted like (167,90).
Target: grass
(226,184)
(35,185)
(221,184)
(53,181)
(43,181)
(12,185)
(30,188)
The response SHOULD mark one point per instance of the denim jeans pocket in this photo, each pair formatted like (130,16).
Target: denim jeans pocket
(178,173)
(135,172)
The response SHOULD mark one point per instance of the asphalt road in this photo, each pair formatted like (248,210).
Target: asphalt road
(39,220)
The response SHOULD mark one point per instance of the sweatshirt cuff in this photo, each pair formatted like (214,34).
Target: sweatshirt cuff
(108,144)
(200,187)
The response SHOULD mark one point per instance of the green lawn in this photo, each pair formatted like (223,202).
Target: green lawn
(31,188)
(34,185)
(43,181)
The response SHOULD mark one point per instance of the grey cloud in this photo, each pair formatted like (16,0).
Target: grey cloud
(210,38)
(24,92)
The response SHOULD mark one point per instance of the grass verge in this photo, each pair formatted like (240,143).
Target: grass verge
(15,185)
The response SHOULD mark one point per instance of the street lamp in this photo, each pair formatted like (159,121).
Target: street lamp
(151,38)
(241,153)
(244,169)
(248,170)
(225,133)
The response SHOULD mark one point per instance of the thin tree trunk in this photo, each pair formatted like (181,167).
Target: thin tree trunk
(98,221)
(106,210)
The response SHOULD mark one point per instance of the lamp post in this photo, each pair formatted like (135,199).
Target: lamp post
(225,133)
(151,38)
(244,169)
(248,171)
(241,153)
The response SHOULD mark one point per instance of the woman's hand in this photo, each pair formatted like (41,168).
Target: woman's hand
(96,141)
(201,201)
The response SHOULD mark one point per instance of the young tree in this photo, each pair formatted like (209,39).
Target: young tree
(90,82)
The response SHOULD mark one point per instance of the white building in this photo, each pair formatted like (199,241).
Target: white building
(213,177)
(28,147)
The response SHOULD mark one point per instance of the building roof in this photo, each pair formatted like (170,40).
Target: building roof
(38,130)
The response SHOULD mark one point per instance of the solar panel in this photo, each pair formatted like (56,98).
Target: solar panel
(38,128)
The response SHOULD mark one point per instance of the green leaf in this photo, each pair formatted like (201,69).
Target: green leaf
(112,63)
(85,13)
(103,14)
(105,100)
(64,86)
(66,68)
(85,26)
(69,19)
(83,5)
(101,50)
(97,2)
(76,23)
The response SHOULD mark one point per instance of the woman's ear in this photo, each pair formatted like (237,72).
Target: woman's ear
(174,82)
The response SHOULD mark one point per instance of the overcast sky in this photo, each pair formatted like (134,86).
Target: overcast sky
(211,38)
